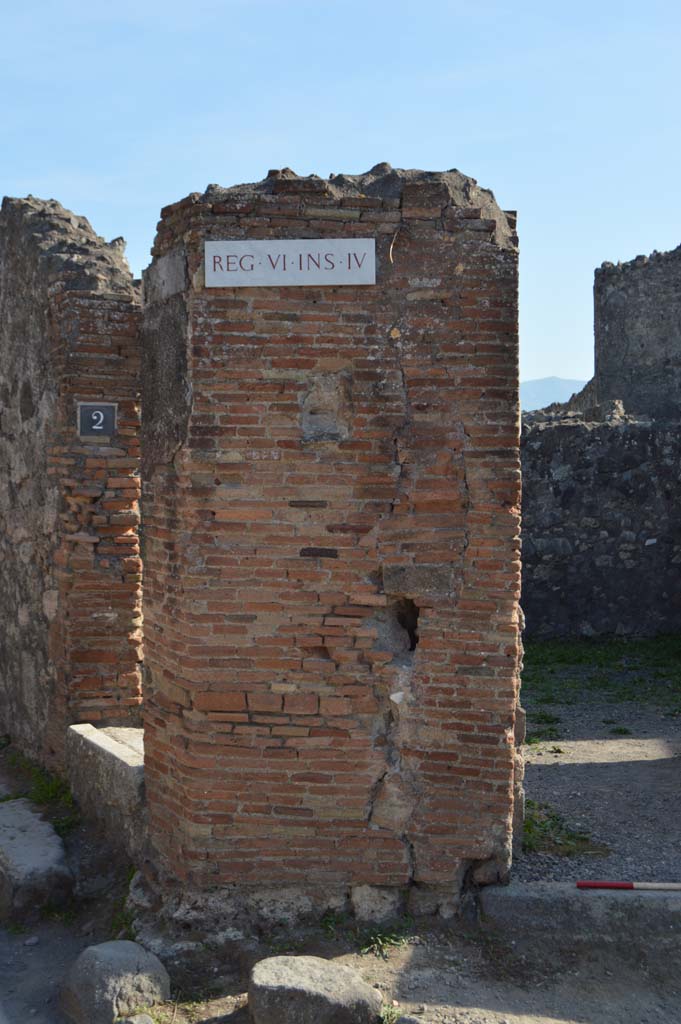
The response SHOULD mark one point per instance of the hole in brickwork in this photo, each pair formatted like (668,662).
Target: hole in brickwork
(396,629)
(407,615)
(318,652)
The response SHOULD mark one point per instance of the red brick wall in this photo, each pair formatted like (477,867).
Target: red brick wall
(70,591)
(323,464)
(99,569)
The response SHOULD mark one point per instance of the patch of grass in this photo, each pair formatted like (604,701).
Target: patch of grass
(380,940)
(389,1014)
(620,730)
(542,726)
(548,654)
(48,791)
(375,939)
(535,736)
(567,671)
(45,788)
(333,924)
(545,831)
(542,736)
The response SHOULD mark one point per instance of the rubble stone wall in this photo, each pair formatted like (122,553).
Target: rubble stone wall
(69,554)
(601,528)
(331,507)
(637,327)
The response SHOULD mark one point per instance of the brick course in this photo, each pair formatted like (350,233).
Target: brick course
(331,508)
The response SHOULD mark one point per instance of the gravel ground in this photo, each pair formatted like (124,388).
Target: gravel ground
(622,789)
(33,963)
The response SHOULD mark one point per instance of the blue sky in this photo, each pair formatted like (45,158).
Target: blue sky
(569,112)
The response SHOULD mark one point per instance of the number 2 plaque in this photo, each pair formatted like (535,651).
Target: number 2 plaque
(96,419)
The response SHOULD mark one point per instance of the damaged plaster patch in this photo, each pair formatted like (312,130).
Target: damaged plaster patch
(395,796)
(326,408)
(166,276)
(393,803)
(166,388)
(50,603)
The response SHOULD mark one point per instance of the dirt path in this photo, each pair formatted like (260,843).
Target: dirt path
(604,751)
(439,979)
(624,791)
(32,964)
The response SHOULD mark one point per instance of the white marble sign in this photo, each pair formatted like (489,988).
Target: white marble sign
(289,262)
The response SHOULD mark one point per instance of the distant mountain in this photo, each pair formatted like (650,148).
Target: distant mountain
(535,394)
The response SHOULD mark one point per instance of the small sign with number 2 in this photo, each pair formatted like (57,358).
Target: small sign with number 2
(96,419)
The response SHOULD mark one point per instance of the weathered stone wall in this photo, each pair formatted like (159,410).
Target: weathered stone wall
(637,330)
(600,472)
(331,542)
(601,526)
(69,558)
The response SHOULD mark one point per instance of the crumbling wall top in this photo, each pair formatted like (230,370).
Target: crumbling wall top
(66,246)
(382,186)
(637,328)
(611,270)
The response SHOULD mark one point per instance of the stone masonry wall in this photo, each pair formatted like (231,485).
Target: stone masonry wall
(600,472)
(331,503)
(601,529)
(69,558)
(637,329)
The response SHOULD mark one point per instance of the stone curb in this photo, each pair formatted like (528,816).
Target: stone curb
(525,911)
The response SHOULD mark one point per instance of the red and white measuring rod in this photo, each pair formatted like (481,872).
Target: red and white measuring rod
(676,886)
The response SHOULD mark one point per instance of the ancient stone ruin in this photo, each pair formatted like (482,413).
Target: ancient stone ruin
(601,531)
(70,591)
(330,494)
(637,328)
(330,515)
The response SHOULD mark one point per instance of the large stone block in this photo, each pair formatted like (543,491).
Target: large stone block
(309,990)
(33,867)
(112,980)
(105,768)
